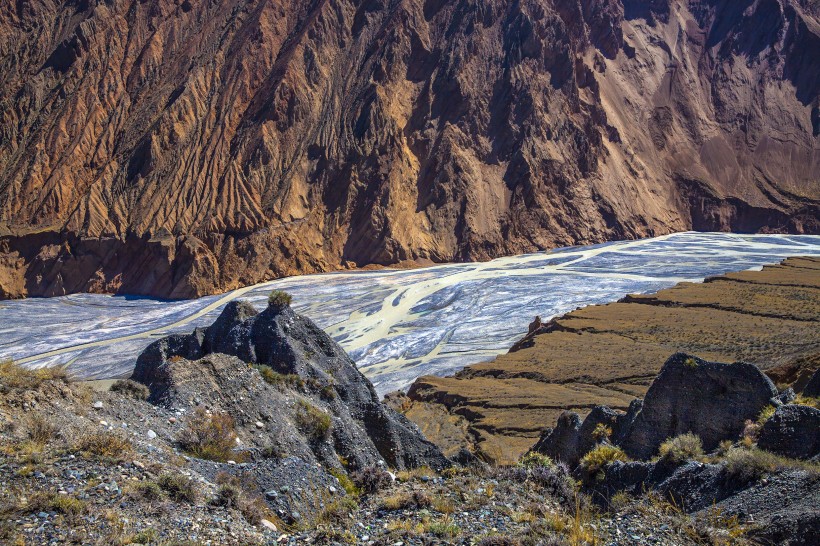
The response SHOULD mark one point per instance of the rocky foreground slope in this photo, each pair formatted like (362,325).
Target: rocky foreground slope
(178,148)
(609,355)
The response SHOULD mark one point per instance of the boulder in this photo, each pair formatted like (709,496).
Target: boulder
(710,399)
(812,388)
(793,431)
(176,368)
(561,442)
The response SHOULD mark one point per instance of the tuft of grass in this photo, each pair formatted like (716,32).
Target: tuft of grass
(811,401)
(346,483)
(602,432)
(533,459)
(312,421)
(681,448)
(444,527)
(207,436)
(417,473)
(39,429)
(599,458)
(690,363)
(146,490)
(14,376)
(104,445)
(180,488)
(279,299)
(747,464)
(67,505)
(338,511)
(765,414)
(131,389)
(275,378)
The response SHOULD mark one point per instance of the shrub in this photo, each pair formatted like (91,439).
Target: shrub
(148,490)
(602,432)
(131,389)
(103,444)
(339,510)
(556,481)
(371,479)
(312,421)
(765,414)
(211,437)
(681,448)
(227,496)
(178,487)
(237,492)
(273,377)
(39,429)
(345,481)
(599,457)
(279,299)
(533,458)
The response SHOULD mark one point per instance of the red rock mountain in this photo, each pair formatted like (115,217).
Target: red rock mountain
(183,147)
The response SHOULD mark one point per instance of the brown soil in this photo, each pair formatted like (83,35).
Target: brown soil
(609,354)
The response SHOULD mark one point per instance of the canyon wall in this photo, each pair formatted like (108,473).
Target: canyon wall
(179,148)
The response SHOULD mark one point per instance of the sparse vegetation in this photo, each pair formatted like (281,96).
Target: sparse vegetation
(599,458)
(681,448)
(179,487)
(103,445)
(14,376)
(533,458)
(146,490)
(275,378)
(312,421)
(748,464)
(345,481)
(602,432)
(131,388)
(371,479)
(765,414)
(39,429)
(279,298)
(209,436)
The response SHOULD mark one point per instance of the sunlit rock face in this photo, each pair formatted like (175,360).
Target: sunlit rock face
(397,325)
(184,148)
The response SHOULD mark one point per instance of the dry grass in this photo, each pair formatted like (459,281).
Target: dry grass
(599,458)
(312,421)
(179,487)
(131,389)
(747,464)
(14,376)
(103,445)
(681,448)
(211,437)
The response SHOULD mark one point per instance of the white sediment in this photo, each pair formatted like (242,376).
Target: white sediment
(397,325)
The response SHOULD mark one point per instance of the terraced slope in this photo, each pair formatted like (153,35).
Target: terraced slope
(609,354)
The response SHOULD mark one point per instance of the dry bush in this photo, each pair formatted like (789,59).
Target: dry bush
(207,436)
(131,389)
(39,429)
(371,479)
(681,448)
(104,445)
(179,487)
(312,421)
(14,376)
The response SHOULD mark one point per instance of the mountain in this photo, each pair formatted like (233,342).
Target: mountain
(178,148)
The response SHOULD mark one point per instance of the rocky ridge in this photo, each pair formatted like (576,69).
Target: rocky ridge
(179,148)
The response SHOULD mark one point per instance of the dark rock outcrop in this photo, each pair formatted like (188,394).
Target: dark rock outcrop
(571,438)
(793,431)
(710,399)
(211,366)
(812,388)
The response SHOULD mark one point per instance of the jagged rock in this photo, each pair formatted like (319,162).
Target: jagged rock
(210,367)
(711,399)
(561,442)
(812,388)
(793,431)
(784,397)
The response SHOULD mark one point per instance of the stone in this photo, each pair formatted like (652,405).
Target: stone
(793,431)
(812,388)
(561,442)
(710,399)
(97,405)
(268,525)
(151,434)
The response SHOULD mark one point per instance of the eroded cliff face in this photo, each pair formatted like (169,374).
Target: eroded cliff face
(177,148)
